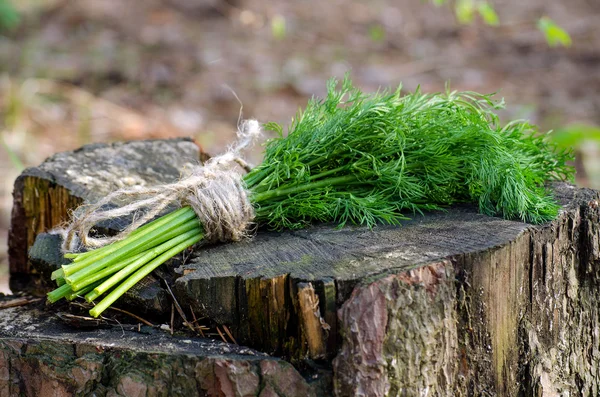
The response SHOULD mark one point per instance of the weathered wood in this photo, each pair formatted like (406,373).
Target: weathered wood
(40,356)
(224,281)
(44,195)
(313,326)
(455,303)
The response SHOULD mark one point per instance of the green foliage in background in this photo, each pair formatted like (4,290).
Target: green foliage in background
(467,10)
(9,17)
(575,135)
(278,27)
(488,13)
(377,33)
(585,139)
(554,34)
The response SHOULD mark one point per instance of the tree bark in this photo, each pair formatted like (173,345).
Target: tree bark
(450,303)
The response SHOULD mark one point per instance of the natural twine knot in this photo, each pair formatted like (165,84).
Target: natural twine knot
(215,191)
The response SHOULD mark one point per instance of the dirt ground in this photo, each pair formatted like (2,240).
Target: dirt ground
(74,72)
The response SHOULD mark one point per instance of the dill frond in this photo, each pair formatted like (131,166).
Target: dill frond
(366,159)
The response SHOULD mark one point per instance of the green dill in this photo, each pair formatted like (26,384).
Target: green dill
(364,159)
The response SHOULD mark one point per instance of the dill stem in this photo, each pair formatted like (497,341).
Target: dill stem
(186,227)
(143,259)
(77,257)
(92,294)
(268,195)
(109,249)
(57,275)
(254,179)
(189,225)
(59,293)
(124,248)
(345,167)
(82,292)
(107,271)
(143,272)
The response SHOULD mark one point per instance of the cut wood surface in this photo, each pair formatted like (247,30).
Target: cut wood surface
(452,303)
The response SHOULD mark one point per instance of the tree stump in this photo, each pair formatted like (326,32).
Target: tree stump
(40,356)
(450,303)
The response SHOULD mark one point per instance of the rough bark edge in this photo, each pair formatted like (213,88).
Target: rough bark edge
(560,335)
(391,327)
(526,316)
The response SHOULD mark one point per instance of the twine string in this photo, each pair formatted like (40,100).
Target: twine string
(214,190)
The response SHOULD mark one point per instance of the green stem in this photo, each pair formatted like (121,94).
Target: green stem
(79,256)
(58,274)
(186,227)
(180,216)
(83,255)
(253,179)
(345,167)
(92,295)
(190,226)
(121,251)
(142,260)
(345,179)
(141,273)
(107,271)
(59,293)
(83,291)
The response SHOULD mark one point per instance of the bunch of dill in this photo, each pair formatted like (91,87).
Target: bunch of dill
(359,158)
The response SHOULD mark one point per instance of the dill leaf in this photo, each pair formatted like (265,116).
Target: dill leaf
(368,159)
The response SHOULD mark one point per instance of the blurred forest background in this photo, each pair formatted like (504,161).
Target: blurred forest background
(80,71)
